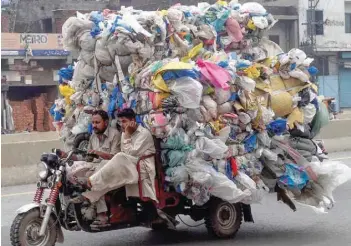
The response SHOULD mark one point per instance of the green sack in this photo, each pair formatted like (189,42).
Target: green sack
(321,119)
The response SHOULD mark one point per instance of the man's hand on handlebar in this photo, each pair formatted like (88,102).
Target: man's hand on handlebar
(60,153)
(102,155)
(92,152)
(86,154)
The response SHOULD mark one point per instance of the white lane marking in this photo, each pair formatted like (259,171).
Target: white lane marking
(18,194)
(340,158)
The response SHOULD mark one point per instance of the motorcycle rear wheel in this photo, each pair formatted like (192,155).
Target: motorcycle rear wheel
(25,229)
(224,219)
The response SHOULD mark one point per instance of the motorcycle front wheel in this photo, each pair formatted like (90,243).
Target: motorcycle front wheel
(25,229)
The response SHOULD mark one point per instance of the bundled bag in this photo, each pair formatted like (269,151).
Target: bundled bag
(321,119)
(188,92)
(214,148)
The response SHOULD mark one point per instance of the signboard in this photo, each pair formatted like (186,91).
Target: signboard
(41,44)
(36,41)
(328,22)
(22,52)
(33,39)
(10,52)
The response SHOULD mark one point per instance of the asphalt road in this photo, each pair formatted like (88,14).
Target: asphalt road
(275,224)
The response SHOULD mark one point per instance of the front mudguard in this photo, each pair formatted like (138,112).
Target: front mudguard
(26,208)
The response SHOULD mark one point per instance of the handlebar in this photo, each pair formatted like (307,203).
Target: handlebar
(77,151)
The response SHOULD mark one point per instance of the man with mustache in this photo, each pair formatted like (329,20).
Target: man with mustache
(105,142)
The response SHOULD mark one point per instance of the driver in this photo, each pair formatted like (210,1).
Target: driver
(104,143)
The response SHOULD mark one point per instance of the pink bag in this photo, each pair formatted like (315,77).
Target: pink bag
(214,74)
(234,30)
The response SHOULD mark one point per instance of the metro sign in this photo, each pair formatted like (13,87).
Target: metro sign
(33,38)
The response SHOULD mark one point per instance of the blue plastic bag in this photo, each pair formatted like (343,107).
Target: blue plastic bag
(139,120)
(95,30)
(295,177)
(250,143)
(133,104)
(242,65)
(112,107)
(113,102)
(96,17)
(233,97)
(176,74)
(277,127)
(315,103)
(52,110)
(120,100)
(223,64)
(103,86)
(233,56)
(228,170)
(90,128)
(313,70)
(117,23)
(65,73)
(57,115)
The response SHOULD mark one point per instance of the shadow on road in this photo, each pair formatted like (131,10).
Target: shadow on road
(246,236)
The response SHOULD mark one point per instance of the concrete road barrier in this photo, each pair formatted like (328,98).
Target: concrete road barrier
(29,137)
(336,129)
(26,153)
(337,135)
(21,152)
(337,144)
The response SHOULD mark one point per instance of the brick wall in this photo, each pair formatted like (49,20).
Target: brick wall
(33,114)
(23,116)
(32,11)
(57,25)
(60,16)
(5,22)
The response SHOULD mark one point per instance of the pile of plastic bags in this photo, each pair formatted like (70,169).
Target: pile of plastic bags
(235,114)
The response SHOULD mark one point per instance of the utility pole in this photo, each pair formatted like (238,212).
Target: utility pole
(311,26)
(311,29)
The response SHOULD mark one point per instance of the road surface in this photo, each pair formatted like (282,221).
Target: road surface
(275,224)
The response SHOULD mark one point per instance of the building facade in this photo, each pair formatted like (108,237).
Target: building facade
(285,32)
(29,65)
(332,45)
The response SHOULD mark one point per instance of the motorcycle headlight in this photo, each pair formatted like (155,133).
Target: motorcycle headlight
(43,170)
